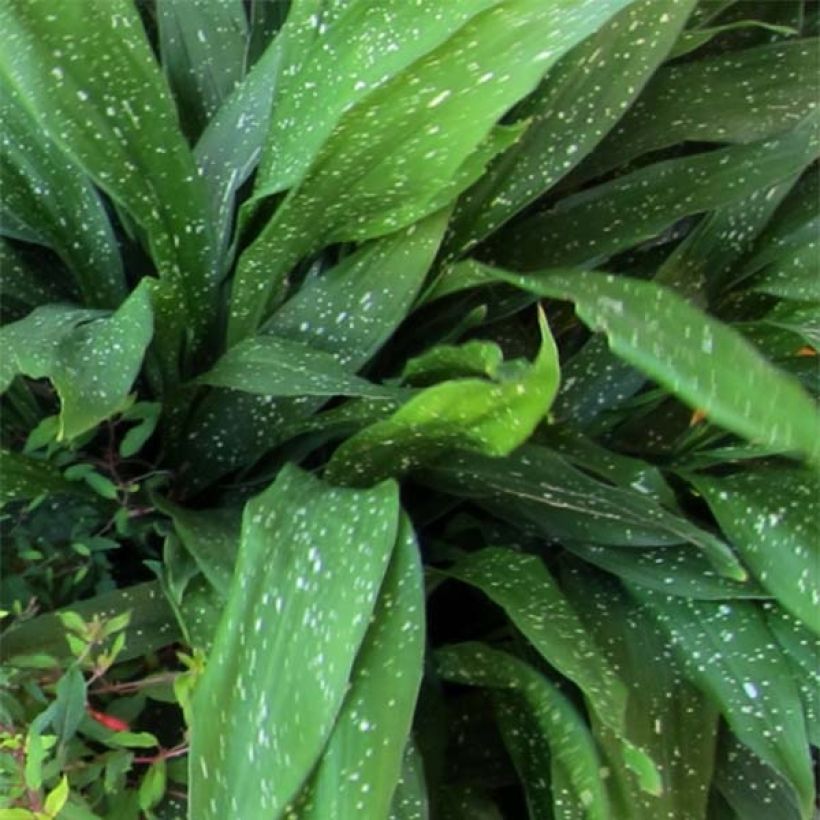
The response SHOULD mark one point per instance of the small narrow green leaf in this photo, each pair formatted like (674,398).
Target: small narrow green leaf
(311,561)
(151,627)
(69,704)
(471,414)
(474,358)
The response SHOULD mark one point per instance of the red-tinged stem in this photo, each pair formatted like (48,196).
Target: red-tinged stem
(164,754)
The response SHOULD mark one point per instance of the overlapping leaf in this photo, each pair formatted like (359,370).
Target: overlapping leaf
(91,360)
(88,74)
(309,569)
(698,358)
(463,414)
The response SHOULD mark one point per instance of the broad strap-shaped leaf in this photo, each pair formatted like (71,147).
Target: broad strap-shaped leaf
(474,358)
(151,627)
(571,111)
(23,478)
(609,218)
(345,36)
(87,72)
(541,727)
(773,519)
(202,45)
(92,361)
(699,359)
(429,129)
(673,570)
(348,311)
(523,587)
(728,650)
(311,562)
(273,366)
(351,780)
(536,489)
(49,195)
(698,101)
(666,715)
(463,414)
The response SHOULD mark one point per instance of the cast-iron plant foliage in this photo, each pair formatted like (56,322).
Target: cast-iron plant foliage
(409,409)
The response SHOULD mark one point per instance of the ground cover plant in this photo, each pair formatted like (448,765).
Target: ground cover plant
(409,409)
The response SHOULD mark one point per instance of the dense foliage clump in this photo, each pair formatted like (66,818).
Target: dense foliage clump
(409,409)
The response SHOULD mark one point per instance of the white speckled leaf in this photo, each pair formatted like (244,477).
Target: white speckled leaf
(362,761)
(522,586)
(273,366)
(537,489)
(463,414)
(390,158)
(785,258)
(91,360)
(348,311)
(310,565)
(773,519)
(698,101)
(666,715)
(410,800)
(729,652)
(87,72)
(604,220)
(571,111)
(701,360)
(202,45)
(48,195)
(541,728)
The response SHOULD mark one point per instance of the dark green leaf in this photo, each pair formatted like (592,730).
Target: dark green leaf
(698,358)
(202,45)
(699,102)
(728,650)
(553,730)
(773,519)
(570,112)
(273,366)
